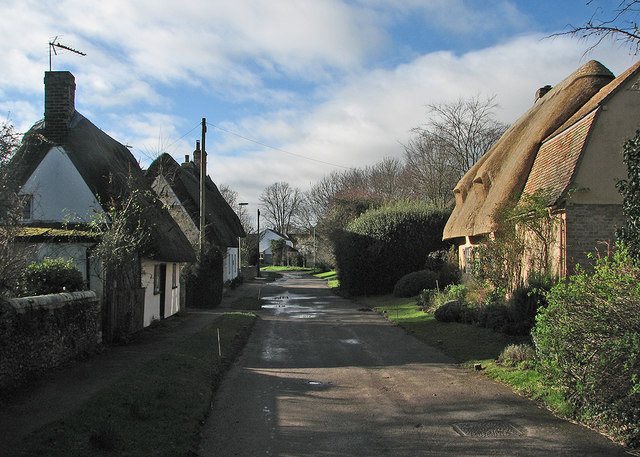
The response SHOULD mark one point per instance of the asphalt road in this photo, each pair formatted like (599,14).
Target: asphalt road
(320,377)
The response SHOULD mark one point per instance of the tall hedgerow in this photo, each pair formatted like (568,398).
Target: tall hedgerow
(384,244)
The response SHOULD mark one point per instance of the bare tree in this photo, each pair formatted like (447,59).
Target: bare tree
(620,25)
(281,203)
(12,256)
(465,129)
(432,172)
(458,134)
(231,197)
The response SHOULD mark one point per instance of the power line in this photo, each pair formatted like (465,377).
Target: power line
(277,149)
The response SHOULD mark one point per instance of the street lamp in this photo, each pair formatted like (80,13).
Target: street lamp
(239,245)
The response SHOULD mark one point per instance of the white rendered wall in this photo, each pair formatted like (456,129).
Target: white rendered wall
(151,300)
(59,192)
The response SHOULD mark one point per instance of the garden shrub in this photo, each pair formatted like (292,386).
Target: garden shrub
(518,355)
(588,343)
(375,250)
(203,280)
(524,305)
(412,284)
(50,276)
(452,311)
(495,316)
(445,262)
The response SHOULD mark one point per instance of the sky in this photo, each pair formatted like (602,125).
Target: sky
(291,89)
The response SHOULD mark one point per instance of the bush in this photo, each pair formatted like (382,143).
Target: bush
(446,264)
(452,311)
(588,342)
(413,283)
(51,276)
(495,316)
(203,280)
(518,355)
(525,304)
(375,250)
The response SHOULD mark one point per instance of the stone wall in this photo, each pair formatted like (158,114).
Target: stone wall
(41,333)
(590,229)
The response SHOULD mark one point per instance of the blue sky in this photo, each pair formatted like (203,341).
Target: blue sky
(334,83)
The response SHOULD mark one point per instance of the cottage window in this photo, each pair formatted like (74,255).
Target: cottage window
(174,276)
(468,259)
(157,280)
(27,203)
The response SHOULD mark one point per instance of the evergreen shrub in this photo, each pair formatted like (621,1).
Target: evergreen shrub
(375,250)
(588,343)
(51,276)
(203,280)
(412,284)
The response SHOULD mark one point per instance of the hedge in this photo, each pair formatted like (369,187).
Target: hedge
(375,250)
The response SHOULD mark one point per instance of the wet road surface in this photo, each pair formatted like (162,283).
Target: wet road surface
(321,377)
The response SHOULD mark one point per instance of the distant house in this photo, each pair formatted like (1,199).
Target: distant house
(568,144)
(68,171)
(266,237)
(178,186)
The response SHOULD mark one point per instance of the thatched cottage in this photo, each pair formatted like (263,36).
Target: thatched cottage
(67,172)
(568,144)
(178,186)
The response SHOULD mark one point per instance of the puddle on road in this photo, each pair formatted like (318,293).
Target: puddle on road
(290,304)
(350,341)
(274,354)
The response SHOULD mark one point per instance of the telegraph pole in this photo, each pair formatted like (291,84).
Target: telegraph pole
(203,175)
(258,261)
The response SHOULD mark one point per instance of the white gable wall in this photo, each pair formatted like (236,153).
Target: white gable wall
(59,192)
(267,237)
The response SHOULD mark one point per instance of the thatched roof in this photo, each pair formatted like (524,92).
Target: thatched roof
(559,155)
(223,224)
(503,171)
(110,171)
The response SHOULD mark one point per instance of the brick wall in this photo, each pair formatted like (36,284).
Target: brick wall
(589,228)
(40,333)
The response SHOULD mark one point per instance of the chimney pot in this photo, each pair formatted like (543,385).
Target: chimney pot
(196,154)
(186,158)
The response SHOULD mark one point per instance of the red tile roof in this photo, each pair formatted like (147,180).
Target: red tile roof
(557,159)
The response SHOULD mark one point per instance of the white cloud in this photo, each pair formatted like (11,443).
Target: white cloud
(368,117)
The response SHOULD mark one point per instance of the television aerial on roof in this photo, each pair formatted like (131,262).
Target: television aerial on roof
(53,44)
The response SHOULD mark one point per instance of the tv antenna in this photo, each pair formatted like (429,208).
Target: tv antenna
(53,44)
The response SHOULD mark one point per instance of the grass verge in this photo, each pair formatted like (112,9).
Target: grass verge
(331,277)
(469,345)
(154,411)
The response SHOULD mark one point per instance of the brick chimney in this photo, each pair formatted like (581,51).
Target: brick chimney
(59,104)
(197,154)
(542,92)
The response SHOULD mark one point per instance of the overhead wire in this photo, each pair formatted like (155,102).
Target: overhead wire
(275,148)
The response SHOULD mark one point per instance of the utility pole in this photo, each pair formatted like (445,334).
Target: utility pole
(258,261)
(203,175)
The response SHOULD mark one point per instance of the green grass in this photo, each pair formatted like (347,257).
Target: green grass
(331,277)
(469,345)
(154,411)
